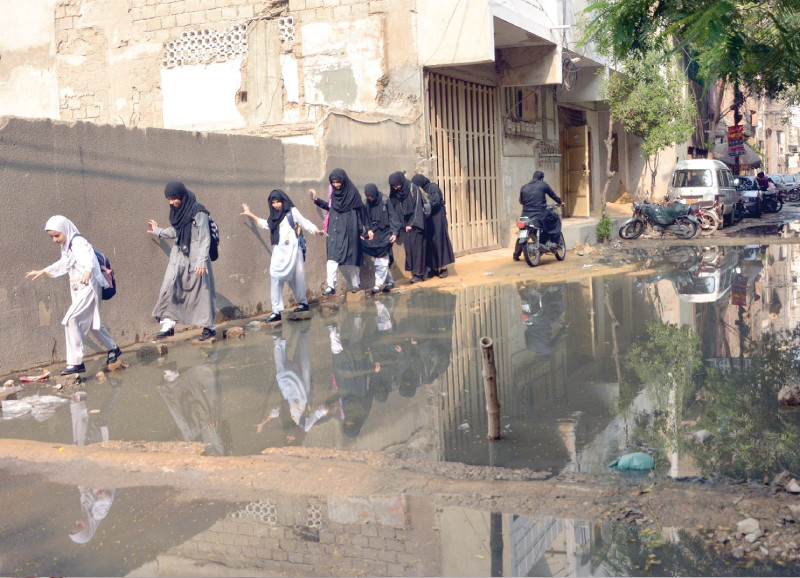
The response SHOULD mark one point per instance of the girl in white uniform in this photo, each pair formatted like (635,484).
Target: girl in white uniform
(287,263)
(86,283)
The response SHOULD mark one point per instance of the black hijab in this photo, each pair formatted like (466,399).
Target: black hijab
(347,198)
(181,217)
(421,181)
(275,217)
(402,196)
(372,194)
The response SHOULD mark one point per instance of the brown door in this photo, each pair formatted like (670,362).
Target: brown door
(577,171)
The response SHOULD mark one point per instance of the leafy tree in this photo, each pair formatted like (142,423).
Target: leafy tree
(738,42)
(648,101)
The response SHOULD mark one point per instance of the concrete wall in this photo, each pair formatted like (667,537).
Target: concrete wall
(110,180)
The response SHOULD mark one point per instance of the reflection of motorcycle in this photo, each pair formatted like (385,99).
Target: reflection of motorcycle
(680,220)
(541,235)
(543,314)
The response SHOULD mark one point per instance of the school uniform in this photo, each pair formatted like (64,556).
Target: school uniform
(287,264)
(83,315)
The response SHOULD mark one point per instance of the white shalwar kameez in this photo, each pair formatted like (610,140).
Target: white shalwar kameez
(286,265)
(77,257)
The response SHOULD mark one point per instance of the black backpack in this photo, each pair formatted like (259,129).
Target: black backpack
(301,240)
(213,247)
(106,270)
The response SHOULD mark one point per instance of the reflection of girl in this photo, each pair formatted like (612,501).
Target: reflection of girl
(95,504)
(287,257)
(78,260)
(193,401)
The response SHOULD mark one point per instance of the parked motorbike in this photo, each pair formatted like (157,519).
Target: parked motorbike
(536,240)
(772,201)
(678,219)
(708,216)
(792,195)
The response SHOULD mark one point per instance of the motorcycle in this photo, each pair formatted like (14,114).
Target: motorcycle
(708,216)
(536,240)
(792,195)
(680,220)
(772,201)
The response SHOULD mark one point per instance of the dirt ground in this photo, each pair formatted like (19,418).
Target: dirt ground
(713,510)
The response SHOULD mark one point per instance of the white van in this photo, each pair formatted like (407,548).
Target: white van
(695,180)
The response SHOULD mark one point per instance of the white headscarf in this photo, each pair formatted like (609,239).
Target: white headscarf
(62,225)
(95,505)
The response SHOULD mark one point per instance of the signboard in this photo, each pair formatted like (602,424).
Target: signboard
(739,291)
(735,140)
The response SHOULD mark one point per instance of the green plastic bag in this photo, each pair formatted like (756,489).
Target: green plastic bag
(635,461)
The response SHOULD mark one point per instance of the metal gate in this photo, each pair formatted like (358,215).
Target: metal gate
(464,144)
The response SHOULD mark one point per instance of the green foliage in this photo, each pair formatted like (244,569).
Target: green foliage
(667,361)
(648,101)
(753,435)
(739,42)
(603,226)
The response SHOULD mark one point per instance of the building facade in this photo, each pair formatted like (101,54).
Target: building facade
(476,94)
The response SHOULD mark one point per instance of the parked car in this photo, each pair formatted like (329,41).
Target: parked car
(778,181)
(790,182)
(695,180)
(750,195)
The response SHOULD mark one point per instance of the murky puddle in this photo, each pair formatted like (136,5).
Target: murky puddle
(56,530)
(583,376)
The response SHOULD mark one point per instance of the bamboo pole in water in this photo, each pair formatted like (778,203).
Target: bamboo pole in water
(490,388)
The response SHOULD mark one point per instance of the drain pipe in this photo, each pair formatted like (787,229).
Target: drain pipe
(490,388)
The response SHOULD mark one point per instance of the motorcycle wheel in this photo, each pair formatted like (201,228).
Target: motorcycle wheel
(793,196)
(632,230)
(686,228)
(779,206)
(769,206)
(738,213)
(532,254)
(709,222)
(757,212)
(561,250)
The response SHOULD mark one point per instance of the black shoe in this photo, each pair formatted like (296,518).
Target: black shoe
(416,279)
(356,289)
(302,308)
(70,369)
(442,273)
(273,318)
(164,333)
(113,355)
(207,334)
(388,287)
(329,291)
(516,257)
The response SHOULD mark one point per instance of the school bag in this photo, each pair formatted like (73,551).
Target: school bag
(105,268)
(301,240)
(213,247)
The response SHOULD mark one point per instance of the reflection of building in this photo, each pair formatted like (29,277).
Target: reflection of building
(558,390)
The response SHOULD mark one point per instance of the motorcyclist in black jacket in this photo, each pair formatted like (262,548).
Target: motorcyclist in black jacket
(533,198)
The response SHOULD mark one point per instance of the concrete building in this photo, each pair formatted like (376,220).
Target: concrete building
(476,94)
(106,100)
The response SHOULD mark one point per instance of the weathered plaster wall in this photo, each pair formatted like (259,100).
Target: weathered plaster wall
(28,82)
(110,181)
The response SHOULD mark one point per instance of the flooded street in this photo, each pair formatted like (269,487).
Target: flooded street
(678,354)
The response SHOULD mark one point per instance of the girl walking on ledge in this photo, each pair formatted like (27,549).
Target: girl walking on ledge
(287,263)
(86,282)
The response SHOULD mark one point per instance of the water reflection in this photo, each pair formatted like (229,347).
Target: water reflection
(393,534)
(401,372)
(86,429)
(193,397)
